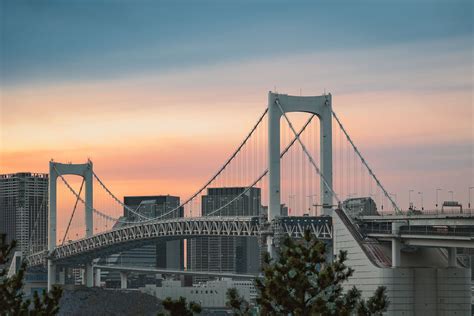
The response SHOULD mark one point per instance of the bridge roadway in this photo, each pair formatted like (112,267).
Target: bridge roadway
(177,272)
(436,217)
(429,229)
(427,236)
(123,238)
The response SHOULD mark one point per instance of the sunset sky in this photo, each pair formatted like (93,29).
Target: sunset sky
(158,93)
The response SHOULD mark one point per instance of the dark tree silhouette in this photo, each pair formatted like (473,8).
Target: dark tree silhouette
(239,305)
(301,282)
(12,301)
(180,308)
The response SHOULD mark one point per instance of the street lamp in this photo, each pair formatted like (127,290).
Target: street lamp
(410,205)
(452,195)
(437,197)
(310,199)
(421,196)
(469,204)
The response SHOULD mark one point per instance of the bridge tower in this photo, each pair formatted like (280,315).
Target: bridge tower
(322,108)
(56,170)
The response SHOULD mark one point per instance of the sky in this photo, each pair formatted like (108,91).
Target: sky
(159,93)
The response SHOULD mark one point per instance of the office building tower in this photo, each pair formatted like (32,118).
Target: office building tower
(166,254)
(226,254)
(163,254)
(24,210)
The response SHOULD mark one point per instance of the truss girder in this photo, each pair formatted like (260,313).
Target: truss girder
(182,228)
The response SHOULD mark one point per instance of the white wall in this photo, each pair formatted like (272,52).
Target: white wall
(429,291)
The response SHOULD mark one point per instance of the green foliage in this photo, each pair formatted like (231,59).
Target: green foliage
(239,305)
(180,308)
(11,294)
(300,282)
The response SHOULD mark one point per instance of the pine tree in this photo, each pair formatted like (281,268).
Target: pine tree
(239,305)
(180,308)
(301,282)
(12,301)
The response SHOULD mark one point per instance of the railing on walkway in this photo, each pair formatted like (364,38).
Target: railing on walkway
(438,212)
(435,230)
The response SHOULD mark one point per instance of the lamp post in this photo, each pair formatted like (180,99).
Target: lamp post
(437,197)
(410,205)
(421,197)
(310,200)
(469,204)
(452,195)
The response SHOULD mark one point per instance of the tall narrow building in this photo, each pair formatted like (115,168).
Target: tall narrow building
(24,209)
(226,254)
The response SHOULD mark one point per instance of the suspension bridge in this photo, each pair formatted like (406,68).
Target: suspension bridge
(303,168)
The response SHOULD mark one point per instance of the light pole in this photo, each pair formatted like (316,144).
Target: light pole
(469,204)
(310,199)
(410,205)
(452,195)
(421,197)
(437,197)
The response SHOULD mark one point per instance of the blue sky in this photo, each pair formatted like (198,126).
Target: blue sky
(79,40)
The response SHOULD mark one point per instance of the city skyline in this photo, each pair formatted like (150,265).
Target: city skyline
(140,105)
(158,156)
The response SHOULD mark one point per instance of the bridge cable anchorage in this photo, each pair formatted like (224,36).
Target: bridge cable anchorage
(264,173)
(73,212)
(395,206)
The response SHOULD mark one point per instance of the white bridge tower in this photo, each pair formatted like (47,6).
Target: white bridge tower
(56,170)
(321,107)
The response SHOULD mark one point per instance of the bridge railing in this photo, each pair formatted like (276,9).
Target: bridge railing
(438,230)
(438,212)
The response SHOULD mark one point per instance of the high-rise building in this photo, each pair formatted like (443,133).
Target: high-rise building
(165,254)
(24,209)
(226,254)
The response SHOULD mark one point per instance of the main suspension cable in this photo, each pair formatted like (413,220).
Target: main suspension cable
(266,170)
(395,206)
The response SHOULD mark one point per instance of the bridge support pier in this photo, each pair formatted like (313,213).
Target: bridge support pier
(62,276)
(97,277)
(51,274)
(271,247)
(123,279)
(396,245)
(452,257)
(89,275)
